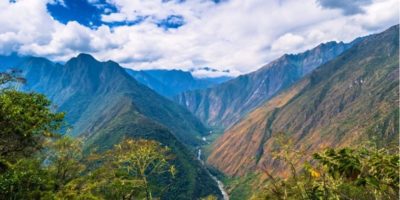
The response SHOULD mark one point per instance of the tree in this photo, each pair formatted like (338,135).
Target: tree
(26,119)
(26,179)
(143,159)
(64,158)
(103,183)
(372,171)
(124,172)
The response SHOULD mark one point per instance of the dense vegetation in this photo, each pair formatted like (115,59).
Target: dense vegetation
(61,171)
(363,172)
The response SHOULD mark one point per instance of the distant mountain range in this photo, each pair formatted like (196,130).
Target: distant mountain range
(104,104)
(170,83)
(350,99)
(223,105)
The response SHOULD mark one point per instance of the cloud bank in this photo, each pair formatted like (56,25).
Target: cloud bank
(233,34)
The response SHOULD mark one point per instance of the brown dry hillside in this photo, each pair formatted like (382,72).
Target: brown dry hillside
(352,98)
(225,104)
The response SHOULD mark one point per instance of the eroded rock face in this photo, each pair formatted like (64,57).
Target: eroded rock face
(343,102)
(223,105)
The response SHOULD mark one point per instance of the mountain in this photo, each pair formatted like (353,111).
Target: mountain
(8,61)
(351,99)
(104,105)
(172,82)
(223,105)
(87,88)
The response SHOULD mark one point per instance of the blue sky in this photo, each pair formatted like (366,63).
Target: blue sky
(239,35)
(89,14)
(81,11)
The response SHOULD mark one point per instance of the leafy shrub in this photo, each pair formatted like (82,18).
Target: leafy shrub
(363,172)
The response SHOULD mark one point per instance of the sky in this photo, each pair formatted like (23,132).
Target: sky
(232,36)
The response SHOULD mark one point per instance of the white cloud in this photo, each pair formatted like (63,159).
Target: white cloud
(202,73)
(287,42)
(24,22)
(60,2)
(114,17)
(237,35)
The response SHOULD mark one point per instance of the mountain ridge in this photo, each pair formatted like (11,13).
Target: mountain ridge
(223,105)
(82,75)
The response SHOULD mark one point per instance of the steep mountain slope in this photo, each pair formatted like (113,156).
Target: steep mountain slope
(350,99)
(9,61)
(90,92)
(225,104)
(105,105)
(192,180)
(172,82)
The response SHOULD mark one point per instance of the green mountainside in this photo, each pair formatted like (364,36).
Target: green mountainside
(104,105)
(91,93)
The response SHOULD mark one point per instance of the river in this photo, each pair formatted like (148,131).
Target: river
(219,183)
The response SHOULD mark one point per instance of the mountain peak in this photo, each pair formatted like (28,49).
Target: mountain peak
(85,56)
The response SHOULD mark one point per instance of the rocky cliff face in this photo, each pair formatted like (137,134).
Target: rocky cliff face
(223,105)
(345,101)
